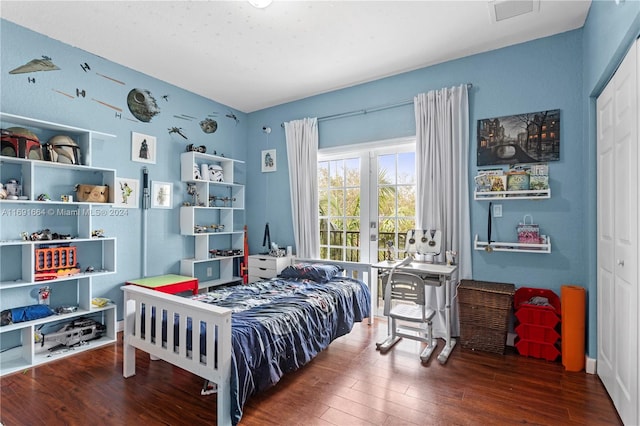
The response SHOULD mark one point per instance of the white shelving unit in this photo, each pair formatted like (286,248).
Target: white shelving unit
(18,285)
(513,195)
(216,203)
(514,247)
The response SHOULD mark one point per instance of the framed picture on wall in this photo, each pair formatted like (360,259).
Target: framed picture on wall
(269,160)
(161,195)
(127,193)
(519,139)
(143,148)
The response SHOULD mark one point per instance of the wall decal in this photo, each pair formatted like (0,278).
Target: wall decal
(127,193)
(232,115)
(35,65)
(209,125)
(85,67)
(165,97)
(63,93)
(177,130)
(143,148)
(110,78)
(184,117)
(518,139)
(142,105)
(107,105)
(79,93)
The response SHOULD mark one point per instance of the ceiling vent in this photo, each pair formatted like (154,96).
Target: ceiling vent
(505,9)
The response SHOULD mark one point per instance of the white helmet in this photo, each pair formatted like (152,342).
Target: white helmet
(62,149)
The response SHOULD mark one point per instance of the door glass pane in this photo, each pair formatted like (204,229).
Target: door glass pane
(386,169)
(336,170)
(386,201)
(339,208)
(336,207)
(407,168)
(352,169)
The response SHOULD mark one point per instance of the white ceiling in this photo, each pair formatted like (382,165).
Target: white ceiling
(250,59)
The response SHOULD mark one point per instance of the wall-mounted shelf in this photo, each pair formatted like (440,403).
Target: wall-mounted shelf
(513,247)
(513,195)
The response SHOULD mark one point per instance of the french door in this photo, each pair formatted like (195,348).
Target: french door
(366,200)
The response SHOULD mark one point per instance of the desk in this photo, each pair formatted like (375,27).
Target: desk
(171,284)
(434,274)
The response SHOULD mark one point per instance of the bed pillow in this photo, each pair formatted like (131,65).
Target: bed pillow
(311,271)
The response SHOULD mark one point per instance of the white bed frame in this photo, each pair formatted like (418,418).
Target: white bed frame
(216,366)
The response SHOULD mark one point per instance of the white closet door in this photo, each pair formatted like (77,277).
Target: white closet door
(618,186)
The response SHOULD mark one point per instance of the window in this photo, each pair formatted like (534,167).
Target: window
(366,200)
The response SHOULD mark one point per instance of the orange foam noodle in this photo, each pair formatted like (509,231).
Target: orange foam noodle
(573,326)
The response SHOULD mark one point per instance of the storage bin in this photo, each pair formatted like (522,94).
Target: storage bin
(542,350)
(484,309)
(537,333)
(537,324)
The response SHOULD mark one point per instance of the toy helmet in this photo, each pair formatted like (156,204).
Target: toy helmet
(62,149)
(22,143)
(215,173)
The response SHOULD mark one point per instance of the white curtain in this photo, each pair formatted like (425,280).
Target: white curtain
(302,155)
(442,201)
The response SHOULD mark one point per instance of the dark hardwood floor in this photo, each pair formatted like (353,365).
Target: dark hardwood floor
(348,384)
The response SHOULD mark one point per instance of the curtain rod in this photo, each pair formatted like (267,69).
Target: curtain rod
(368,110)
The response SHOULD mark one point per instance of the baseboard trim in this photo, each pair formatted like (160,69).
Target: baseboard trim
(589,365)
(119,326)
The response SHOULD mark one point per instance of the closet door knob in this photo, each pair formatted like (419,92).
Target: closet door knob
(620,262)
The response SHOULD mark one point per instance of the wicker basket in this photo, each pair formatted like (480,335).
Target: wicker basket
(484,309)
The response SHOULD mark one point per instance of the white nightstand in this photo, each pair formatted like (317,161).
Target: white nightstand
(263,266)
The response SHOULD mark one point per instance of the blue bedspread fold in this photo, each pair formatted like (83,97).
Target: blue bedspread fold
(280,325)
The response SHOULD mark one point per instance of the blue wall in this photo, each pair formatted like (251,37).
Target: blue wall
(560,72)
(40,100)
(539,75)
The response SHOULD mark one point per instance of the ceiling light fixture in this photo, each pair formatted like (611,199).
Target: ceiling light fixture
(260,4)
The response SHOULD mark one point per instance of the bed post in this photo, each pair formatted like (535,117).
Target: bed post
(128,351)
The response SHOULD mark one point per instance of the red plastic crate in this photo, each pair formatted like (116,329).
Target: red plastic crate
(537,333)
(537,350)
(524,294)
(537,315)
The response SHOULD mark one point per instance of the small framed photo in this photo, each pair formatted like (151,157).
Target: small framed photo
(269,160)
(127,193)
(143,148)
(161,195)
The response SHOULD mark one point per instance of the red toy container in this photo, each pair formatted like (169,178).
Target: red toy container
(524,294)
(537,333)
(538,325)
(539,315)
(546,351)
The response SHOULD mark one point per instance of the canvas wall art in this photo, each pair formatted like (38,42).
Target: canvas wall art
(519,139)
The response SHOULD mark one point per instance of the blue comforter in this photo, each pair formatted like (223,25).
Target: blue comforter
(282,324)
